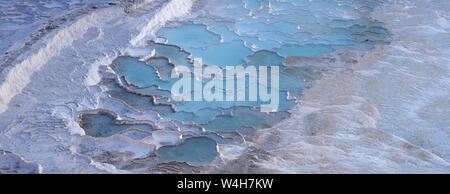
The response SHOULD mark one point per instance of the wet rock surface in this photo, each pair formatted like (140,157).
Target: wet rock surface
(339,60)
(13,164)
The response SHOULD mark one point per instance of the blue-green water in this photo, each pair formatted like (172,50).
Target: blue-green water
(105,125)
(231,33)
(195,150)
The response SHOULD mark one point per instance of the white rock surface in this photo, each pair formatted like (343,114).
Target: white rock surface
(382,111)
(386,113)
(13,164)
(45,87)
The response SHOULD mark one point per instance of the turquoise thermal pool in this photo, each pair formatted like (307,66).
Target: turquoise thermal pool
(233,33)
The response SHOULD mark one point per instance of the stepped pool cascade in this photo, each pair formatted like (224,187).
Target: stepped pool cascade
(245,33)
(214,86)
